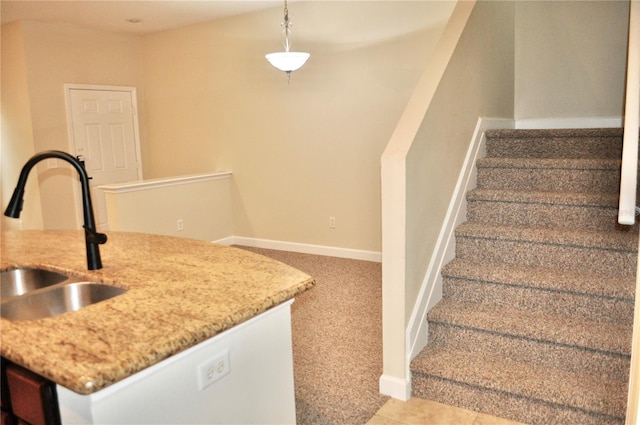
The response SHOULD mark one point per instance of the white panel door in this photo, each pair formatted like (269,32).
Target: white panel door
(104,133)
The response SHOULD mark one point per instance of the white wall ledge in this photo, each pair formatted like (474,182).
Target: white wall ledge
(163,182)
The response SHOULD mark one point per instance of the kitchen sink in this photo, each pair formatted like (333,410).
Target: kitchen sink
(52,301)
(21,281)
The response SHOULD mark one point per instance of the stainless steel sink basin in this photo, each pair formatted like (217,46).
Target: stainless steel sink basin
(20,281)
(56,300)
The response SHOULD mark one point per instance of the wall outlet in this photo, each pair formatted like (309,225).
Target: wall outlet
(214,369)
(180,225)
(332,222)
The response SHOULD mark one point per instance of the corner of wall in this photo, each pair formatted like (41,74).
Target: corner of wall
(397,388)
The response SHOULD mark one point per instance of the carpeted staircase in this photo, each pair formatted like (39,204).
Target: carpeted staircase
(536,319)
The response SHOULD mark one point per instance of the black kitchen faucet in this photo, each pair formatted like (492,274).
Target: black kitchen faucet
(92,238)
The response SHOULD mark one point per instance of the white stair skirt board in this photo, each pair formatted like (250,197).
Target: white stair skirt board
(329,251)
(431,289)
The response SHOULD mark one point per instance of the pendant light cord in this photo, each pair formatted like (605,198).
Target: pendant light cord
(286,28)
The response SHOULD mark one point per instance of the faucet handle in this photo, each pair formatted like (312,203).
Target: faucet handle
(95,237)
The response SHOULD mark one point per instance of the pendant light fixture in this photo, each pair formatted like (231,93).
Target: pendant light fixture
(287,61)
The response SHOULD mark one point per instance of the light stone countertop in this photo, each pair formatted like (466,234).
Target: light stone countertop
(180,293)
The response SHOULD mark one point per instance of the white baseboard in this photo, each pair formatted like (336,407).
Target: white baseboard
(552,123)
(329,251)
(229,240)
(444,251)
(397,388)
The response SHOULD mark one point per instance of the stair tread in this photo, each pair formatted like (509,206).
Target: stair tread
(543,327)
(621,287)
(553,133)
(577,390)
(550,163)
(586,238)
(597,199)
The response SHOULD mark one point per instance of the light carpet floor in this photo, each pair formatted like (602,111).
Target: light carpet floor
(337,339)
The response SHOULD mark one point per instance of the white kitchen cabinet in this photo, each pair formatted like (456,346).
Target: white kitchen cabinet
(258,388)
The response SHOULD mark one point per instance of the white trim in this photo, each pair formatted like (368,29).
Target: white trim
(329,251)
(444,251)
(163,182)
(633,394)
(632,116)
(629,170)
(229,240)
(553,123)
(72,86)
(397,388)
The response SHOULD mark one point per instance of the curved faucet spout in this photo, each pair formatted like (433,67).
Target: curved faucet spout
(92,238)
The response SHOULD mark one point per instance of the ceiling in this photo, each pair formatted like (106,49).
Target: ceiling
(129,16)
(348,24)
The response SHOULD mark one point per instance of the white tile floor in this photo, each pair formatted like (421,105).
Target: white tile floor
(424,412)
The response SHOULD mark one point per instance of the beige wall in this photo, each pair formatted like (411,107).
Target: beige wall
(570,58)
(303,151)
(17,144)
(299,152)
(55,54)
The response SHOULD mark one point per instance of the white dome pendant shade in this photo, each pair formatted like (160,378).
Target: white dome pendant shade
(287,61)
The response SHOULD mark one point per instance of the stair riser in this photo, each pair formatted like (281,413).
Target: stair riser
(555,147)
(499,295)
(546,255)
(543,215)
(549,180)
(502,405)
(572,359)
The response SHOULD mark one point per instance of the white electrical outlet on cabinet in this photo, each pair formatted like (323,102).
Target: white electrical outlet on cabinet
(214,369)
(180,225)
